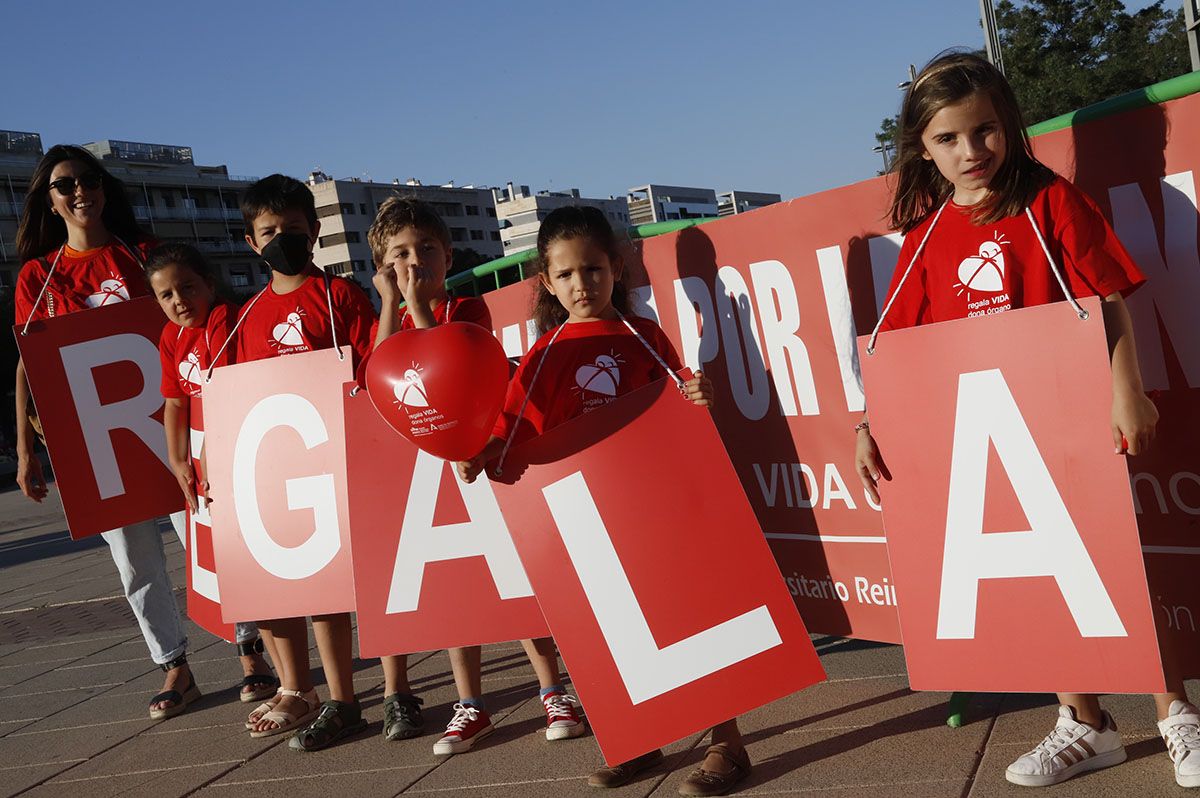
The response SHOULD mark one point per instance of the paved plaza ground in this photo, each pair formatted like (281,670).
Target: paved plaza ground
(75,680)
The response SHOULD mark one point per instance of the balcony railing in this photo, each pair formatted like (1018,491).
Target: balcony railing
(145,213)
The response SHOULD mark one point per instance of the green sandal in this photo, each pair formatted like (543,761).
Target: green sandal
(337,720)
(402,718)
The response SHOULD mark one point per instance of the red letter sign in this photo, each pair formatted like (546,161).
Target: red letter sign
(277,470)
(95,377)
(653,573)
(1010,522)
(434,564)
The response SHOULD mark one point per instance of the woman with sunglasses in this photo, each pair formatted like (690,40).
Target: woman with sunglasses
(83,249)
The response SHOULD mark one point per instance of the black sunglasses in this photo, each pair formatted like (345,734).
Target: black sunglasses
(65,186)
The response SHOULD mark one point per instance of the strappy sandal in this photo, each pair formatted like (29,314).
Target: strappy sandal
(338,719)
(286,721)
(180,700)
(263,685)
(402,719)
(257,713)
(705,782)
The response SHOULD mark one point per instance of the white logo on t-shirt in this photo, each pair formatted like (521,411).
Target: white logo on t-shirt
(410,391)
(291,331)
(111,291)
(189,369)
(985,271)
(602,376)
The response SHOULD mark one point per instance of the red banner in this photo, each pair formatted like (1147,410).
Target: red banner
(203,593)
(434,564)
(770,302)
(652,572)
(95,378)
(1009,517)
(277,473)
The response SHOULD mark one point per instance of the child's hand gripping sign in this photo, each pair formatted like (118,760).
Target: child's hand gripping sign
(1009,520)
(656,580)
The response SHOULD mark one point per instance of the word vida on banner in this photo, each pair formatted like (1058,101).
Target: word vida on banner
(95,378)
(1007,503)
(613,528)
(277,465)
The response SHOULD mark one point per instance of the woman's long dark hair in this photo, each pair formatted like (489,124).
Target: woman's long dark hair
(920,188)
(573,221)
(41,231)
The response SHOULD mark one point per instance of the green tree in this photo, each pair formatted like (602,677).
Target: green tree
(1062,55)
(465,259)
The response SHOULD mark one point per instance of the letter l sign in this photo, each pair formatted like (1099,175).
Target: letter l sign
(647,670)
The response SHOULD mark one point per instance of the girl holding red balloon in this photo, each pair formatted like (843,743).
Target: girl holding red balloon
(411,247)
(593,351)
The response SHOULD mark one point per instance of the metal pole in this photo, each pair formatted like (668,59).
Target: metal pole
(1191,21)
(991,37)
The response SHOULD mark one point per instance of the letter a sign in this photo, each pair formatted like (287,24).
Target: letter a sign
(1009,519)
(653,572)
(95,378)
(434,564)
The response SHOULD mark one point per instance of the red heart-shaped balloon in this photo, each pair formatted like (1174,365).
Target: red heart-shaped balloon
(441,388)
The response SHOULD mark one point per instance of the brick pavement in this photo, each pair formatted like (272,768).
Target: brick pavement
(75,678)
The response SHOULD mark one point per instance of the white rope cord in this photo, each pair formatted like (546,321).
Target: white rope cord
(246,312)
(903,279)
(1054,267)
(354,391)
(42,293)
(525,402)
(57,257)
(236,326)
(545,353)
(678,380)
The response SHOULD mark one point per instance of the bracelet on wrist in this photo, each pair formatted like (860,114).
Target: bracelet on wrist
(862,425)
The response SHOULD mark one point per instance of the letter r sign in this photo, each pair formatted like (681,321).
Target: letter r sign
(655,578)
(1005,468)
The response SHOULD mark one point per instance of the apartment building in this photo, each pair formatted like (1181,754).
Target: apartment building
(734,202)
(173,198)
(520,212)
(656,203)
(346,209)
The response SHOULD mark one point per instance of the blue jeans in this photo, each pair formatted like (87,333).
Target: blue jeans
(138,553)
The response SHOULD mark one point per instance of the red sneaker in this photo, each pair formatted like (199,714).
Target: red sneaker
(468,726)
(562,721)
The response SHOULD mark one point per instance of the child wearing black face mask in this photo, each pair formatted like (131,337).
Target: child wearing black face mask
(293,314)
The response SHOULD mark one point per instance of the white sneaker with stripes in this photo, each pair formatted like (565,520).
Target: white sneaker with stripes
(1181,732)
(1072,748)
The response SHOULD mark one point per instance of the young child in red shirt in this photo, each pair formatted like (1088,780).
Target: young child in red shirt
(988,229)
(302,309)
(411,247)
(198,322)
(592,352)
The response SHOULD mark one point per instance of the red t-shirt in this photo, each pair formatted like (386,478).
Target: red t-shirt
(467,308)
(283,324)
(185,351)
(972,270)
(590,365)
(81,280)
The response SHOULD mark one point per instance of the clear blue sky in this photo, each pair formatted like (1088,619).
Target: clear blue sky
(772,96)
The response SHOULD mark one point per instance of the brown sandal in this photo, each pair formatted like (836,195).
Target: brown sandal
(705,782)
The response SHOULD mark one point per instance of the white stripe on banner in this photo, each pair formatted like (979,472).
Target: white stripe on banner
(1194,550)
(1170,549)
(828,538)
